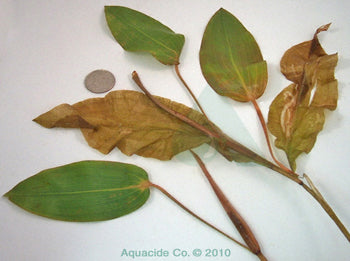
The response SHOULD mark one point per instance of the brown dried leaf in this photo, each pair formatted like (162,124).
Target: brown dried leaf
(296,115)
(294,59)
(130,121)
(64,116)
(295,131)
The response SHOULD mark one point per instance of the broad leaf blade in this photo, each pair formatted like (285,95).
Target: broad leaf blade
(83,191)
(296,115)
(231,60)
(137,32)
(130,121)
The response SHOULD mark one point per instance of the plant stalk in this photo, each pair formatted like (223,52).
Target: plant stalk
(232,213)
(313,191)
(229,143)
(166,193)
(219,137)
(190,91)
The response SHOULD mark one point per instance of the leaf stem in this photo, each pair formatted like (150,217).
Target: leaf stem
(313,191)
(176,114)
(264,127)
(232,213)
(190,91)
(217,135)
(166,193)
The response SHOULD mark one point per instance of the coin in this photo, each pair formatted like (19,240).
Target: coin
(99,81)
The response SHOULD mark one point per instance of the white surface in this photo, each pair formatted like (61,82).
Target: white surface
(46,50)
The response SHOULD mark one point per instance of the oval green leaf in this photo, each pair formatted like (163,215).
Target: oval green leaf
(231,60)
(83,191)
(137,32)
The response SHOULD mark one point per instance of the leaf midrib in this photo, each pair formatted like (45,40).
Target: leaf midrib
(148,36)
(244,85)
(77,192)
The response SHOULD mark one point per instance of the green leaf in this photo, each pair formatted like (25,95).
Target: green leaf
(137,32)
(83,191)
(296,115)
(130,121)
(231,60)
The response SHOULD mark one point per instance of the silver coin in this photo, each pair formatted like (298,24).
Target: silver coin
(99,81)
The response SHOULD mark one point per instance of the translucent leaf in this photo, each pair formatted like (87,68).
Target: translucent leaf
(138,32)
(296,115)
(130,121)
(231,60)
(83,191)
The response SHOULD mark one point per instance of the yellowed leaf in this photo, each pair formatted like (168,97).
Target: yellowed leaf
(296,115)
(130,121)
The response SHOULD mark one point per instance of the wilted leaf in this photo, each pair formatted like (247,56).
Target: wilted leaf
(295,130)
(130,121)
(231,60)
(138,32)
(296,115)
(83,191)
(65,116)
(294,59)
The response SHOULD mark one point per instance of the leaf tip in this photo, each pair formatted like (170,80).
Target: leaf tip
(7,194)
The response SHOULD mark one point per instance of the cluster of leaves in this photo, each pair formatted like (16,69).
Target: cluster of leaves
(152,126)
(296,115)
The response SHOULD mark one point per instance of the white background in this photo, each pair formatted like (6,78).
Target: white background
(46,50)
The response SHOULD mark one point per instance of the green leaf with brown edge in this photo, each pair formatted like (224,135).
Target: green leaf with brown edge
(231,60)
(296,115)
(137,32)
(130,121)
(83,191)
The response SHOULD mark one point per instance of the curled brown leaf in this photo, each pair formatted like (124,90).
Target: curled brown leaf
(296,115)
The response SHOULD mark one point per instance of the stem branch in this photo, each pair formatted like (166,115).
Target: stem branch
(176,114)
(227,142)
(313,191)
(189,90)
(166,193)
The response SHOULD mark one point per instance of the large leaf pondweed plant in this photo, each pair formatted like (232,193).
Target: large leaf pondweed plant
(151,126)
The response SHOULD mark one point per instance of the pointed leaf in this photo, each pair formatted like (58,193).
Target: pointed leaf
(65,116)
(231,60)
(138,32)
(83,191)
(130,121)
(296,115)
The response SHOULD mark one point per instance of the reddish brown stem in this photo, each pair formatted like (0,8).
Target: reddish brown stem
(178,115)
(313,191)
(223,139)
(264,127)
(166,193)
(232,213)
